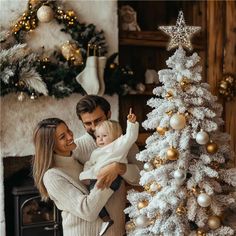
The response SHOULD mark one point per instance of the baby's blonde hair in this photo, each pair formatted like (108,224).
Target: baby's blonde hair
(112,127)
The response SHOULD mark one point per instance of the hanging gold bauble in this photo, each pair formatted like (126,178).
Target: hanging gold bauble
(169,113)
(154,187)
(192,192)
(161,130)
(200,232)
(129,226)
(172,154)
(149,187)
(184,83)
(142,204)
(214,222)
(227,87)
(169,95)
(157,162)
(211,147)
(113,65)
(181,210)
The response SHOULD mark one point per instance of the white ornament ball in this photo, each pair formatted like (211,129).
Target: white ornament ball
(178,121)
(202,137)
(180,174)
(45,14)
(141,221)
(148,166)
(204,200)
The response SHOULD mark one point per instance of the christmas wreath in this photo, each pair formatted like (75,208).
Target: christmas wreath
(31,73)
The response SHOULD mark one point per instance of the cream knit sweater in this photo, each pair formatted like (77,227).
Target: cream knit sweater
(79,210)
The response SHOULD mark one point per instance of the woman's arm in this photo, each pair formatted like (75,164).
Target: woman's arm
(69,198)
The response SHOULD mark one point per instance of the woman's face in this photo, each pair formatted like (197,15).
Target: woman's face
(64,142)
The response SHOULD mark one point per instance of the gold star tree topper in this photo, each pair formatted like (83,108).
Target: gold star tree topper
(180,33)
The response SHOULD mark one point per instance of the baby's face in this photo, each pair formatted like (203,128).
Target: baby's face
(102,137)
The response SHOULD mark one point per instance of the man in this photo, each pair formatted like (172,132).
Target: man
(92,110)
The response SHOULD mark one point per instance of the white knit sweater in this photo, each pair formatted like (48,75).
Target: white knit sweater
(79,210)
(115,151)
(86,145)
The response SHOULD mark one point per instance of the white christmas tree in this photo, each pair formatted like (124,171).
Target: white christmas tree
(187,185)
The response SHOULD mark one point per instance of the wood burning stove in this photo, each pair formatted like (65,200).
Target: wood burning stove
(32,216)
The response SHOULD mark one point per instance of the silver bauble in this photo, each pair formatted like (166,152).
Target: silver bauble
(148,166)
(202,137)
(204,200)
(178,121)
(180,174)
(141,221)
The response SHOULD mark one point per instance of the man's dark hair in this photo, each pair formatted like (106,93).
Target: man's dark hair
(90,102)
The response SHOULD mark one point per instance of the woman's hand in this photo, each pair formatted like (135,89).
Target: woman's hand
(109,173)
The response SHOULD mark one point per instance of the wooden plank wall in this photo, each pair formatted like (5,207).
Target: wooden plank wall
(221,58)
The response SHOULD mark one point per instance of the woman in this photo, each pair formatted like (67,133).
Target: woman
(56,175)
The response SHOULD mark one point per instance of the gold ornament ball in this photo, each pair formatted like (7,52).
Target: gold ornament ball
(142,204)
(184,83)
(172,154)
(212,148)
(71,52)
(157,162)
(214,222)
(181,210)
(129,226)
(169,113)
(112,65)
(45,14)
(169,95)
(161,130)
(200,232)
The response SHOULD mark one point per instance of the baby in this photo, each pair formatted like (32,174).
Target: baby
(112,147)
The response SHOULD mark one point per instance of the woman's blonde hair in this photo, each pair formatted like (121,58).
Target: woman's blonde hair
(112,127)
(44,142)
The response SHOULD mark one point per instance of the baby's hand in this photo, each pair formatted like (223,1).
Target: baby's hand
(131,117)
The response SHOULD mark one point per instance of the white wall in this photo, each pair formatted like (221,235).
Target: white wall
(102,13)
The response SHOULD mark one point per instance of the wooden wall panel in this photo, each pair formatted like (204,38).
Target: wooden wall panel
(230,68)
(221,58)
(215,39)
